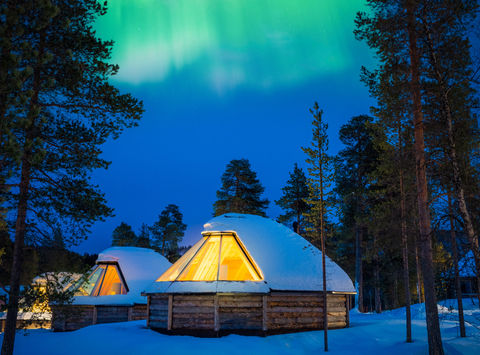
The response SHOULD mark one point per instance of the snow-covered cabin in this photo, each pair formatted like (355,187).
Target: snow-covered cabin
(112,291)
(248,274)
(468,279)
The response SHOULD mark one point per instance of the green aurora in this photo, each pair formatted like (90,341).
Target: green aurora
(227,44)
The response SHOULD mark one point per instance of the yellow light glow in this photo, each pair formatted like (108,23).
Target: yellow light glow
(104,280)
(173,271)
(112,284)
(201,262)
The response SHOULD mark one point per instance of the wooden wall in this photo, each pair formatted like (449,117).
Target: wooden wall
(275,312)
(74,317)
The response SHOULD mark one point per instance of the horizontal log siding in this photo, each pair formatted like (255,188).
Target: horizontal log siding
(74,317)
(193,312)
(285,311)
(290,311)
(240,312)
(71,317)
(158,311)
(112,314)
(138,312)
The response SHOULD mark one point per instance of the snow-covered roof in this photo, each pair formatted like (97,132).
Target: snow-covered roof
(139,266)
(287,261)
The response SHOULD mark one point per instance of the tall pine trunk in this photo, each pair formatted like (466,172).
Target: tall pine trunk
(433,326)
(17,265)
(359,267)
(420,297)
(458,287)
(22,206)
(452,153)
(324,274)
(376,276)
(406,275)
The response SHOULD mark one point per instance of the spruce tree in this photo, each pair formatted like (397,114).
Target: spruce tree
(143,240)
(59,109)
(320,172)
(167,232)
(123,236)
(241,191)
(293,200)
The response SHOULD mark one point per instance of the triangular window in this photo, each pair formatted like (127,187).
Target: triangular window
(104,280)
(218,256)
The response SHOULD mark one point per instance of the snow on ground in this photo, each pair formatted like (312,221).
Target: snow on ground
(369,333)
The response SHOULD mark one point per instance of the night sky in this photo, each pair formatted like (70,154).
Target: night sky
(222,80)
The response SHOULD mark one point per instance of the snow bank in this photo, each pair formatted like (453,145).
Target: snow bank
(140,267)
(368,334)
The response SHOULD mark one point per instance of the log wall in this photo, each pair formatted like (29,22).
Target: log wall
(274,312)
(73,317)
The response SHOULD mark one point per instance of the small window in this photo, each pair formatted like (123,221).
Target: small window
(88,288)
(103,281)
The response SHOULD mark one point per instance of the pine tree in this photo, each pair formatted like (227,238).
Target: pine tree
(59,109)
(168,231)
(293,200)
(319,182)
(124,236)
(241,191)
(143,240)
(355,163)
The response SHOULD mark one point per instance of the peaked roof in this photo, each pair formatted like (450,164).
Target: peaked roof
(139,267)
(287,261)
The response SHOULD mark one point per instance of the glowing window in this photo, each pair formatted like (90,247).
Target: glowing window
(234,263)
(104,280)
(89,287)
(204,265)
(112,284)
(219,256)
(172,273)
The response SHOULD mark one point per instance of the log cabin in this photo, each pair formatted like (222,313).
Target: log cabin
(112,290)
(248,275)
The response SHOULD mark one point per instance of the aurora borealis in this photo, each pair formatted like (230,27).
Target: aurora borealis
(222,80)
(231,43)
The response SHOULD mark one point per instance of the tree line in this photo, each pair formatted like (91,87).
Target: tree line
(408,173)
(404,204)
(164,235)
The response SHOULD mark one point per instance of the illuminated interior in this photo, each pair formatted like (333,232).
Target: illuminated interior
(104,280)
(217,256)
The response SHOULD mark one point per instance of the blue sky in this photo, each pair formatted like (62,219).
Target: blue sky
(222,80)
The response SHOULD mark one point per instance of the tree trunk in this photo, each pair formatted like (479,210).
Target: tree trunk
(433,325)
(458,287)
(395,291)
(378,300)
(324,274)
(406,274)
(20,226)
(452,153)
(359,268)
(419,273)
(376,276)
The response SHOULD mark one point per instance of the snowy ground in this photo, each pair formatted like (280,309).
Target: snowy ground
(369,333)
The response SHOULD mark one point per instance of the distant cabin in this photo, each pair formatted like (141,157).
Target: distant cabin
(248,274)
(468,278)
(112,290)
